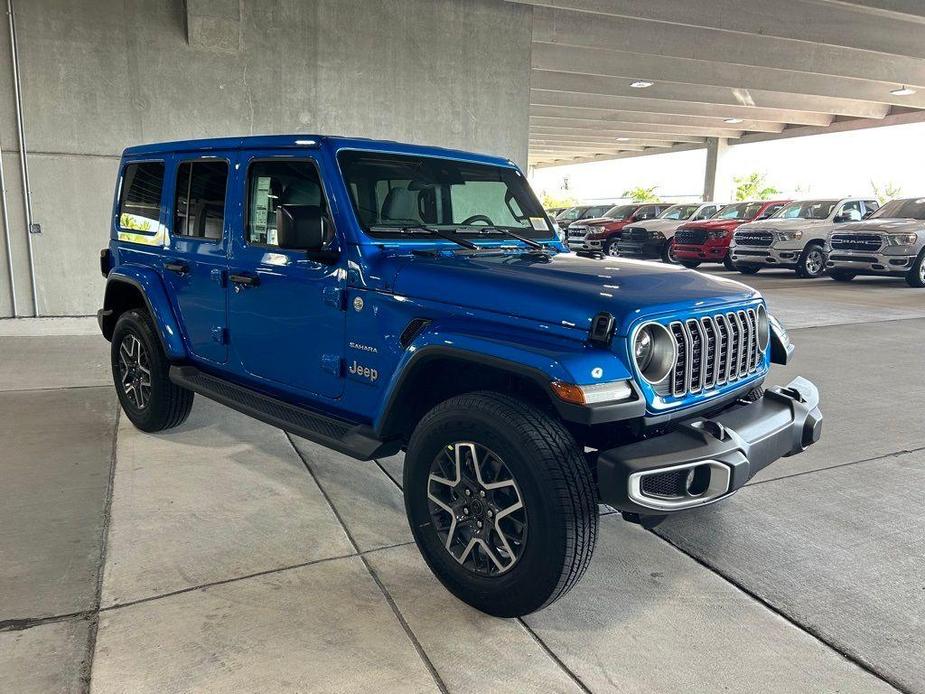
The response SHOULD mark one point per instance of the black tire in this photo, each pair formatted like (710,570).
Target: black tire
(748,269)
(727,263)
(668,255)
(554,483)
(916,275)
(167,404)
(812,262)
(690,264)
(842,275)
(610,247)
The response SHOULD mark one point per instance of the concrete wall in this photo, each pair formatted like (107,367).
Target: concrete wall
(98,75)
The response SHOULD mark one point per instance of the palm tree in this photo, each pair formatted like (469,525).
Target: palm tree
(752,187)
(641,194)
(886,192)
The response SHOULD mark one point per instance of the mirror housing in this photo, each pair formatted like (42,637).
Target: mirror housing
(301,227)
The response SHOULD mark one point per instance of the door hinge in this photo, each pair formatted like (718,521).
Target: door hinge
(219,334)
(217,275)
(331,363)
(334,296)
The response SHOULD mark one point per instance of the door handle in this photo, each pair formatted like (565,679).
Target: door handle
(244,280)
(179,267)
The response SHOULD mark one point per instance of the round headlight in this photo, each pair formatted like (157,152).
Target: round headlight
(764,328)
(654,352)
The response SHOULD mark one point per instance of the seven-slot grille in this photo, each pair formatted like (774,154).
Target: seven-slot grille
(692,236)
(857,242)
(712,351)
(753,238)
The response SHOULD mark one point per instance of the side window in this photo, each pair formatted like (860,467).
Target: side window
(851,211)
(140,203)
(770,211)
(199,210)
(871,206)
(294,186)
(648,212)
(706,212)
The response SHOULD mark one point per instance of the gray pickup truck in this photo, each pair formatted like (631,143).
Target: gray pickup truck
(891,242)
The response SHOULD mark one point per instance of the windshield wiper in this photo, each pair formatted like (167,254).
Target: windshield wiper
(414,228)
(514,235)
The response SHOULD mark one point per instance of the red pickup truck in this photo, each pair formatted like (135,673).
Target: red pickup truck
(708,241)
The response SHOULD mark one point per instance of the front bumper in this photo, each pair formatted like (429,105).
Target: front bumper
(586,244)
(703,460)
(641,249)
(711,251)
(865,262)
(765,255)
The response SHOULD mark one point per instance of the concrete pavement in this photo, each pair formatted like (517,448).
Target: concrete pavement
(236,557)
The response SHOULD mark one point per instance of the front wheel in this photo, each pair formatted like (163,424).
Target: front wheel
(690,264)
(916,275)
(501,502)
(668,254)
(727,263)
(150,400)
(812,262)
(748,269)
(841,275)
(610,248)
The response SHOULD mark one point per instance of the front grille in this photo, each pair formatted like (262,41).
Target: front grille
(634,234)
(854,258)
(577,232)
(857,242)
(713,351)
(753,238)
(667,484)
(694,237)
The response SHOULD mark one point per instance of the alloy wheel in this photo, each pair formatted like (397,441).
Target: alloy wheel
(135,371)
(814,262)
(477,508)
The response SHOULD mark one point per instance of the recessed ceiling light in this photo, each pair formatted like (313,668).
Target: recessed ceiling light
(902,91)
(641,84)
(622,139)
(732,121)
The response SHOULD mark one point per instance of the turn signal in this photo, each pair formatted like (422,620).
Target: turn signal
(568,392)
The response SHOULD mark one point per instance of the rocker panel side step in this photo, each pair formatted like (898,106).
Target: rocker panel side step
(356,440)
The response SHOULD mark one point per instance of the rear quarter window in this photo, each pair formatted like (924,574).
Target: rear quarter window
(140,199)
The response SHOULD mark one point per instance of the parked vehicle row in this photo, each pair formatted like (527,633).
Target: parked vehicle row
(840,237)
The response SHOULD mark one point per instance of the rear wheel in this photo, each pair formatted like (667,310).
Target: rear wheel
(916,275)
(748,269)
(842,275)
(812,262)
(501,502)
(150,400)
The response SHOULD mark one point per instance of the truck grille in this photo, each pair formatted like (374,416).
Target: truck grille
(857,242)
(634,234)
(753,238)
(694,237)
(577,232)
(712,351)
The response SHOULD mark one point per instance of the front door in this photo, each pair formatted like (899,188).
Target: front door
(195,255)
(286,316)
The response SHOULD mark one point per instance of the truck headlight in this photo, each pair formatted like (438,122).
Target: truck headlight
(789,235)
(654,352)
(764,328)
(903,239)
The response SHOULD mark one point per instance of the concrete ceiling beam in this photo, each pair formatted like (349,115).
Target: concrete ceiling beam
(608,116)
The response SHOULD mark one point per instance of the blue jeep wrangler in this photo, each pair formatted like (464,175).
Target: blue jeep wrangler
(377,297)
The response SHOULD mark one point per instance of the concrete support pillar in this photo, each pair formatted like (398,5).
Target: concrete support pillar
(717,182)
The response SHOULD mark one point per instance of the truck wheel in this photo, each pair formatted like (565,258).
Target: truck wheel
(690,264)
(668,255)
(610,247)
(812,262)
(916,275)
(501,502)
(748,269)
(841,275)
(149,398)
(727,263)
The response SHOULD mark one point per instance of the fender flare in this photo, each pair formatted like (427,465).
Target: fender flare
(538,366)
(151,287)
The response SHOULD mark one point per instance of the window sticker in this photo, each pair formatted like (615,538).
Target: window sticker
(261,209)
(539,224)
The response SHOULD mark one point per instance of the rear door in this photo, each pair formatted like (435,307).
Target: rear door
(196,253)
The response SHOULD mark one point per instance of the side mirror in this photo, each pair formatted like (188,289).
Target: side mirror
(300,227)
(868,214)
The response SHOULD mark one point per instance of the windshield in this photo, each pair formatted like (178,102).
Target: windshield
(808,209)
(742,210)
(391,191)
(569,214)
(913,208)
(679,212)
(620,211)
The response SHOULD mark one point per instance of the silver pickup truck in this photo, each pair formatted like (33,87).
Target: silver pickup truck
(891,242)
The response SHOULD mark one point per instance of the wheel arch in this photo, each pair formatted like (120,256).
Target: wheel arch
(128,288)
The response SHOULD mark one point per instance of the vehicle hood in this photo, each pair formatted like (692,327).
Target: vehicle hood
(886,226)
(785,224)
(714,224)
(565,289)
(657,224)
(597,221)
